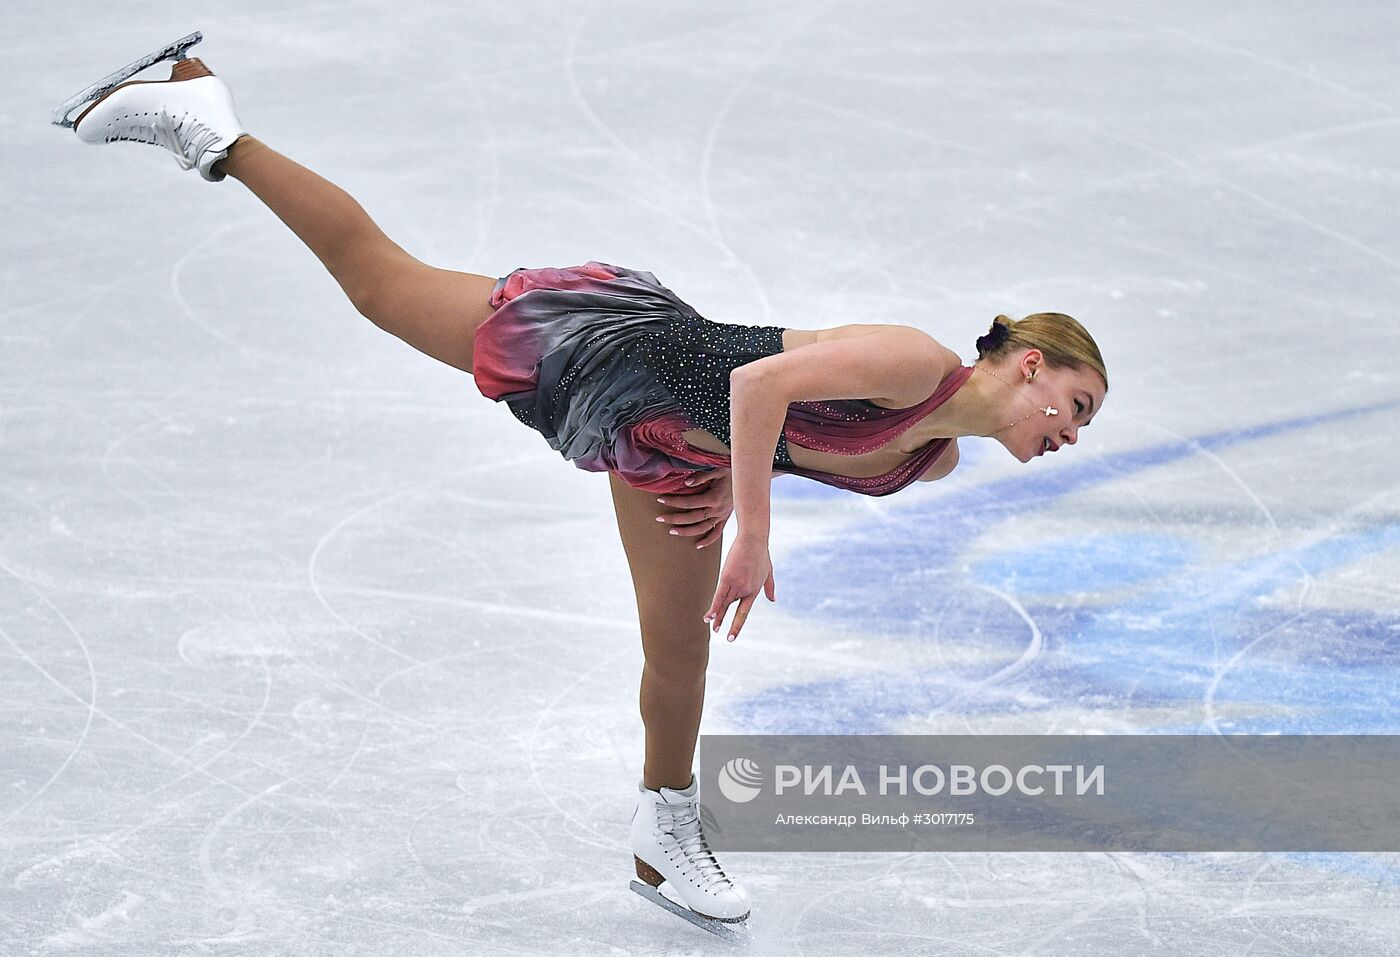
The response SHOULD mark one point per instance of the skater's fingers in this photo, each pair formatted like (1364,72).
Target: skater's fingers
(702,478)
(703,481)
(716,619)
(708,497)
(718,608)
(695,528)
(689,517)
(715,534)
(741,615)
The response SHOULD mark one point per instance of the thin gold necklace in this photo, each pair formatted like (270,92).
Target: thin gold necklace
(1048,410)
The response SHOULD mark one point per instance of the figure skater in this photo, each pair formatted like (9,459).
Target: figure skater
(689,418)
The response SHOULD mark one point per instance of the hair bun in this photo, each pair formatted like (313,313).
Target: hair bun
(995,338)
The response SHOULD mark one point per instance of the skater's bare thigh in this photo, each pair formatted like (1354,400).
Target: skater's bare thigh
(437,311)
(674,582)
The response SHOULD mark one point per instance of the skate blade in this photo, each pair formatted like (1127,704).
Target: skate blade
(736,932)
(171,51)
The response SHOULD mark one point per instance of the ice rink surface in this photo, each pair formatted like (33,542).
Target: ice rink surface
(307,648)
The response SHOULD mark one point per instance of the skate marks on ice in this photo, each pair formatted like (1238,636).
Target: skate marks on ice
(390,853)
(1165,632)
(1187,625)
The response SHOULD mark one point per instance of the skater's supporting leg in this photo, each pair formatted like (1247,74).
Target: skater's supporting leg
(437,311)
(675,583)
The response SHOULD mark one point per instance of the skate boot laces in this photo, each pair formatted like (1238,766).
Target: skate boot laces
(187,138)
(682,822)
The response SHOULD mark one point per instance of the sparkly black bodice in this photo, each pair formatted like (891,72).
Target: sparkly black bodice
(693,357)
(610,367)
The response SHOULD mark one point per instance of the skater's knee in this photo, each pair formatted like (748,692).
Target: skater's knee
(370,301)
(379,299)
(674,627)
(384,288)
(676,661)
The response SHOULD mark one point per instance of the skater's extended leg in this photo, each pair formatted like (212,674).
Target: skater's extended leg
(192,115)
(437,311)
(675,583)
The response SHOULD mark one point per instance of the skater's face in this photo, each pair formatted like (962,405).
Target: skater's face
(1075,393)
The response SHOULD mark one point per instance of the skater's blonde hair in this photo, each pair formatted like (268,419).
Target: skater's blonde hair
(1060,338)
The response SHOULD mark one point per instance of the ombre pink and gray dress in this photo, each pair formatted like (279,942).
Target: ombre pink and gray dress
(611,367)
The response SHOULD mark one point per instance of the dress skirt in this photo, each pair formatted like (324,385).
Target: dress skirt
(572,352)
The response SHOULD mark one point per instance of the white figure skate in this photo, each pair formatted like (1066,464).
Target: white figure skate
(670,853)
(191,114)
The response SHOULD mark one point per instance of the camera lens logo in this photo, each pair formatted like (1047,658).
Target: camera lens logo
(740,780)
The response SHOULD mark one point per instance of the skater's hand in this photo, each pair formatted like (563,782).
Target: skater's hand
(747,570)
(708,504)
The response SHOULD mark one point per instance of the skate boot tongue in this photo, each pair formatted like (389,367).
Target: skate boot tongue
(678,814)
(680,809)
(682,795)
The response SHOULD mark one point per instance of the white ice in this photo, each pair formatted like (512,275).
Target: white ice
(305,647)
